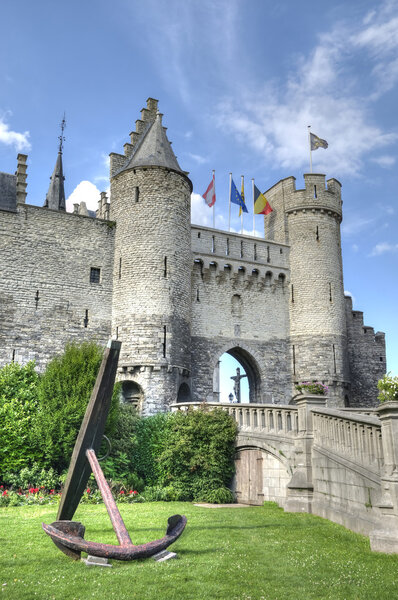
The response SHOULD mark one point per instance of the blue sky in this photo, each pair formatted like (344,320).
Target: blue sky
(238,82)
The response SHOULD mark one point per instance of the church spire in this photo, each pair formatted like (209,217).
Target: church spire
(55,198)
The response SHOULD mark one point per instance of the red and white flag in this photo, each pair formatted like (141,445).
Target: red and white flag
(210,193)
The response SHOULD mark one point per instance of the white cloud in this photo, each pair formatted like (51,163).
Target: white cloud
(84,192)
(200,160)
(382,248)
(20,141)
(384,161)
(354,224)
(324,92)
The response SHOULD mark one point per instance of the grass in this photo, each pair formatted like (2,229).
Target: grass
(257,553)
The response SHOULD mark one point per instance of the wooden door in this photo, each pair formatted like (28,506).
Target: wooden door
(249,477)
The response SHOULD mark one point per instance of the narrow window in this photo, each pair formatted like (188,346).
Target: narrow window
(164,341)
(137,194)
(13,355)
(330,292)
(241,249)
(280,251)
(292,293)
(315,196)
(165,267)
(268,256)
(37,298)
(85,321)
(120,267)
(381,358)
(199,234)
(117,332)
(317,233)
(95,275)
(334,358)
(227,249)
(213,244)
(197,294)
(255,252)
(294,359)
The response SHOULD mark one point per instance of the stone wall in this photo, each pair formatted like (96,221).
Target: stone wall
(46,298)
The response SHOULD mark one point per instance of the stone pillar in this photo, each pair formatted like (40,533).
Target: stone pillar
(216,383)
(300,488)
(21,178)
(385,537)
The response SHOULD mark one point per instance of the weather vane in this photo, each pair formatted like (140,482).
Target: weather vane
(61,137)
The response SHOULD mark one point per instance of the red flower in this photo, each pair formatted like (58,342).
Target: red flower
(4,493)
(1,487)
(134,492)
(88,490)
(121,492)
(51,491)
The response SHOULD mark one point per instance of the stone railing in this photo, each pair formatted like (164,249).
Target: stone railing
(275,419)
(356,437)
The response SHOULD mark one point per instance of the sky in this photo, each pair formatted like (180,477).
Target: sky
(238,82)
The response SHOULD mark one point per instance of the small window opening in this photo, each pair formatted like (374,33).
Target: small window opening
(280,251)
(294,359)
(255,252)
(137,194)
(268,255)
(85,321)
(120,267)
(317,233)
(199,234)
(197,295)
(117,332)
(334,358)
(165,267)
(164,341)
(292,293)
(37,298)
(213,244)
(95,275)
(315,196)
(227,248)
(330,292)
(13,355)
(381,359)
(241,249)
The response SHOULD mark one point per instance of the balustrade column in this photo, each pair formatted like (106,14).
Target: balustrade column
(385,536)
(300,487)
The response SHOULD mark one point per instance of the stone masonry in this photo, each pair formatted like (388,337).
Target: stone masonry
(177,295)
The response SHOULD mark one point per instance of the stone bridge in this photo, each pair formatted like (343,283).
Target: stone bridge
(338,464)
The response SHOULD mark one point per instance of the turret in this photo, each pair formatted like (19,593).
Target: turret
(309,221)
(150,202)
(55,198)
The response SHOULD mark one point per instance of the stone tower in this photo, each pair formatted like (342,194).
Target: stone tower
(309,221)
(151,310)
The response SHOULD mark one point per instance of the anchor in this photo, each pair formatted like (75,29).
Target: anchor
(68,535)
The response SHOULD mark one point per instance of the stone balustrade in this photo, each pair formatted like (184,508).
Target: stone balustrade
(275,419)
(356,437)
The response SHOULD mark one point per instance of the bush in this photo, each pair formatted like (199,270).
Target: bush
(64,391)
(199,455)
(312,387)
(18,408)
(388,387)
(220,496)
(33,477)
(149,441)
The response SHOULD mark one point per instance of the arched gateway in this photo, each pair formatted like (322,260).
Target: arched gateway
(250,369)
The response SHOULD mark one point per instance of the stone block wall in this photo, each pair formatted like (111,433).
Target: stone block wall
(46,297)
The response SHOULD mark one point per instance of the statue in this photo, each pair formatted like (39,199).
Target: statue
(237,379)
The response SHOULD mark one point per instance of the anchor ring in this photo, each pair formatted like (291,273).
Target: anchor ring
(104,437)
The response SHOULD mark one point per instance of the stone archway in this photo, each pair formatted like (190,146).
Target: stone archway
(251,369)
(184,393)
(131,393)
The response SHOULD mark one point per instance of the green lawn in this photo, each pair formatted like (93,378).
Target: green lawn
(228,553)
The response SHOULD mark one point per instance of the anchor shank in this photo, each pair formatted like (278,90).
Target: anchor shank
(113,511)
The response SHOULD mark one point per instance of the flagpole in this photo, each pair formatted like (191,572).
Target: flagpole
(309,145)
(214,205)
(254,224)
(242,183)
(230,188)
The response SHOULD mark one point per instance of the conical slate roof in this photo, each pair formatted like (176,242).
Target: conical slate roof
(55,198)
(153,149)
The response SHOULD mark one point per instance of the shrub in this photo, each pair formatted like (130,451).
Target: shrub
(388,387)
(221,495)
(18,408)
(64,391)
(312,387)
(149,441)
(199,455)
(33,477)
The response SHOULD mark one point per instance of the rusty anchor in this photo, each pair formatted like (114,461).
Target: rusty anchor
(68,535)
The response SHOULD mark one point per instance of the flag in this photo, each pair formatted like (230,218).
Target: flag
(210,193)
(316,142)
(242,195)
(261,204)
(236,198)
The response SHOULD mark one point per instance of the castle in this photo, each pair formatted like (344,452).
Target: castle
(179,295)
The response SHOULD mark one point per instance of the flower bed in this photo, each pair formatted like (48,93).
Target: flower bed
(40,496)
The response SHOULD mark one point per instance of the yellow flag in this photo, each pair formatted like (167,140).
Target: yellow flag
(242,193)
